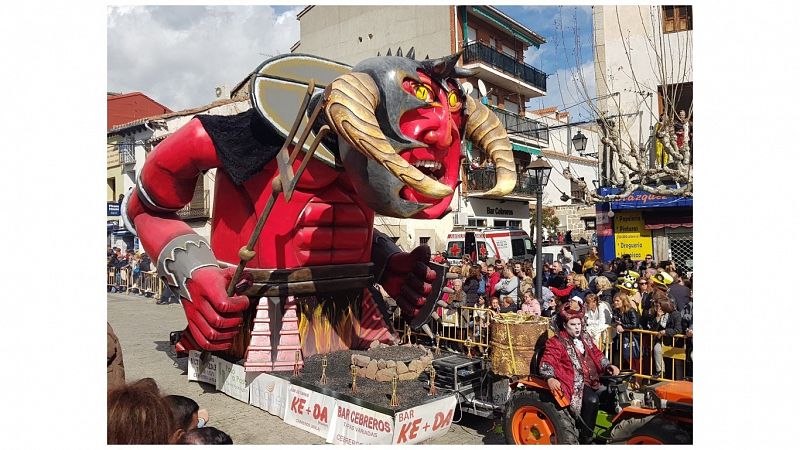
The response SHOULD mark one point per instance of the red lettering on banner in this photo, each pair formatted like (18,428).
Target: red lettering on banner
(297,405)
(405,415)
(441,420)
(408,431)
(343,413)
(320,414)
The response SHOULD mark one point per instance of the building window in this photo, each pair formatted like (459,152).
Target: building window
(590,224)
(677,18)
(502,223)
(472,35)
(510,52)
(492,42)
(675,97)
(423,240)
(473,222)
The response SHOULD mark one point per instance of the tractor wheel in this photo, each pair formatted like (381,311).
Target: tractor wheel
(534,418)
(649,431)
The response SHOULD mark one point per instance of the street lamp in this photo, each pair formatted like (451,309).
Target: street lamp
(579,142)
(539,171)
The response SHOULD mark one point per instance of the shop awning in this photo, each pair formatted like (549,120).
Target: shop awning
(657,221)
(524,148)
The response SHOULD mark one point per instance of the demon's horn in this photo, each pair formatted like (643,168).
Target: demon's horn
(389,52)
(350,104)
(399,52)
(442,67)
(411,54)
(485,131)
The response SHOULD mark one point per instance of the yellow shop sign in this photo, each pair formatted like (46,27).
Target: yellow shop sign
(630,235)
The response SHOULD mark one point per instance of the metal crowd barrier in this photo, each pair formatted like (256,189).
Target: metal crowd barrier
(123,280)
(465,325)
(642,355)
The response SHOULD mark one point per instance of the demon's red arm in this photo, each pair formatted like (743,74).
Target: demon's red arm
(184,259)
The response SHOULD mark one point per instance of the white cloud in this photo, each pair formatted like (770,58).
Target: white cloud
(177,55)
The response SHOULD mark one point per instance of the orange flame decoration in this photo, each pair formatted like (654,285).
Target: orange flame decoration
(330,323)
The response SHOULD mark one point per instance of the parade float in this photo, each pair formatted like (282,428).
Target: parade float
(283,306)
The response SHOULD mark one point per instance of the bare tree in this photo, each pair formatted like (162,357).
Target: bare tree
(655,65)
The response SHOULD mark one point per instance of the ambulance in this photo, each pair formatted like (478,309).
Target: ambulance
(500,243)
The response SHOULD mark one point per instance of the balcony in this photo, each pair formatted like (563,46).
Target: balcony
(198,208)
(125,154)
(478,181)
(519,126)
(531,81)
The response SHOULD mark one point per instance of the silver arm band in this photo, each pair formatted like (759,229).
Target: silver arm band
(182,256)
(123,212)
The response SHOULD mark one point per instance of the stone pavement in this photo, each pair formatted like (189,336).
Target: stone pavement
(143,329)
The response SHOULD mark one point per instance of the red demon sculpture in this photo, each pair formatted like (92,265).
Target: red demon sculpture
(397,126)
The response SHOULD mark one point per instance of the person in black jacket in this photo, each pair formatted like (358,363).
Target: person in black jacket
(471,285)
(625,318)
(667,324)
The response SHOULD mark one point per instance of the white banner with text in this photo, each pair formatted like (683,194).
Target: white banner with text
(353,424)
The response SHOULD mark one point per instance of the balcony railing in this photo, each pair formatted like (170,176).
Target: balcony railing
(477,52)
(126,153)
(517,125)
(198,208)
(482,179)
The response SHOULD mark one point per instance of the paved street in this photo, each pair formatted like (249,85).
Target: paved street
(143,330)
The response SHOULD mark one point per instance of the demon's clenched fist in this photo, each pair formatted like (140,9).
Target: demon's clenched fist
(408,280)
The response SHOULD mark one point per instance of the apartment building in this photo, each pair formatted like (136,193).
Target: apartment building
(643,67)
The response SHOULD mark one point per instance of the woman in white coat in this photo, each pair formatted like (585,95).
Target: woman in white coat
(598,318)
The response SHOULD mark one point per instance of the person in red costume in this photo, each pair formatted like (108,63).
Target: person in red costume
(397,126)
(572,365)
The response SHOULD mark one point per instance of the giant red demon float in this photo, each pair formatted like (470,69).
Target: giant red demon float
(393,148)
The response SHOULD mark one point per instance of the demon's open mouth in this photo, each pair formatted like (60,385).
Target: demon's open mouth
(441,166)
(432,169)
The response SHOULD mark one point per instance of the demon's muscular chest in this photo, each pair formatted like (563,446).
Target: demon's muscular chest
(322,224)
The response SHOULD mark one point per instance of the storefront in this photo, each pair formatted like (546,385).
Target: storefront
(116,233)
(645,223)
(491,213)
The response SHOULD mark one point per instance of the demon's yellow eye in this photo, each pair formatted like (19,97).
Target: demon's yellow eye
(452,100)
(423,93)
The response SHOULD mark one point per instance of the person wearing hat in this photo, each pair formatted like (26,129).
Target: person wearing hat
(628,286)
(572,365)
(660,283)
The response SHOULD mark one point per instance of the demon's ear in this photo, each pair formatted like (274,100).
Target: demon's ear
(350,104)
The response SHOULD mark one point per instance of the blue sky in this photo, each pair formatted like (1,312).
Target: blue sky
(561,56)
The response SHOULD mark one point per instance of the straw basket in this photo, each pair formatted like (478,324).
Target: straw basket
(514,340)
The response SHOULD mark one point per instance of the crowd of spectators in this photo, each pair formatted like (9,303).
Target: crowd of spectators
(126,264)
(619,295)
